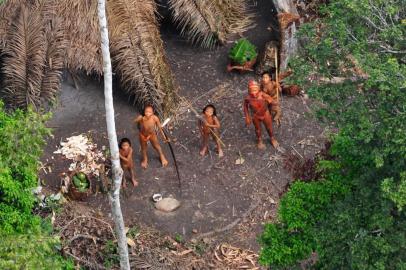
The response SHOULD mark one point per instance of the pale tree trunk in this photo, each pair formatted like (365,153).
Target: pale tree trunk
(285,6)
(117,172)
(287,9)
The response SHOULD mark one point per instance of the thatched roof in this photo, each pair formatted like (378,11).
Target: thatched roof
(138,53)
(81,25)
(208,22)
(51,35)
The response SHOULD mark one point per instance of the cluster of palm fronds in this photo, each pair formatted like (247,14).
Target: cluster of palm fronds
(137,53)
(210,21)
(32,53)
(38,38)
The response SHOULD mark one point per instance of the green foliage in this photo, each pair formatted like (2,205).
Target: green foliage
(294,236)
(110,254)
(243,51)
(133,232)
(354,218)
(31,251)
(26,241)
(396,192)
(21,141)
(179,238)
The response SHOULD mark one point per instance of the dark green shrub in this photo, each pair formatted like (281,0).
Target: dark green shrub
(354,218)
(21,140)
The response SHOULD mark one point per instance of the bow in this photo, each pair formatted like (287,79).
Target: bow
(172,152)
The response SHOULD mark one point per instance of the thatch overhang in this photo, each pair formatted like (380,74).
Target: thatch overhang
(208,22)
(67,36)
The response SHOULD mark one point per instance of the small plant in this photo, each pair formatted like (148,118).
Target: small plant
(133,232)
(179,238)
(200,248)
(243,51)
(110,254)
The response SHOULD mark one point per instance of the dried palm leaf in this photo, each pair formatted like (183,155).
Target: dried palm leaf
(55,60)
(81,26)
(210,21)
(197,20)
(8,10)
(24,58)
(137,53)
(235,16)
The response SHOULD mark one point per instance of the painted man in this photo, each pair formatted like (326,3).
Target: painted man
(256,110)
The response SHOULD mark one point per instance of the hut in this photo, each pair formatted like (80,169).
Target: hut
(41,38)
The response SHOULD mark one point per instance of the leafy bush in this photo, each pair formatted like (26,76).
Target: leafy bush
(26,240)
(21,141)
(354,218)
(31,251)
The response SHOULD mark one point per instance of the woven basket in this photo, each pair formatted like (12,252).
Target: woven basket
(74,193)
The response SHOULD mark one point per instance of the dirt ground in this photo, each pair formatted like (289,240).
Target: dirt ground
(216,192)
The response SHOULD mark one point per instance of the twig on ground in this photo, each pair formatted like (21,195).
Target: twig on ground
(85,262)
(232,224)
(297,151)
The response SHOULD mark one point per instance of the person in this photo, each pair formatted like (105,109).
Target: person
(256,110)
(147,124)
(271,88)
(208,125)
(126,160)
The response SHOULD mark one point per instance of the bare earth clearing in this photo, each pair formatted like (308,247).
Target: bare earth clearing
(217,194)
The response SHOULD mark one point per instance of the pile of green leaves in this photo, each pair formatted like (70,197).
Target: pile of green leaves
(243,51)
(24,244)
(354,217)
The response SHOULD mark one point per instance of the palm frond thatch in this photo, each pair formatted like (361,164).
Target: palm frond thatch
(7,13)
(70,39)
(210,21)
(81,26)
(24,58)
(55,60)
(137,53)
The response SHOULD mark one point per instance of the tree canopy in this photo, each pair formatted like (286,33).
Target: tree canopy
(353,217)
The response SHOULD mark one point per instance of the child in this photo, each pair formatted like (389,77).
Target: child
(271,88)
(147,125)
(126,159)
(208,125)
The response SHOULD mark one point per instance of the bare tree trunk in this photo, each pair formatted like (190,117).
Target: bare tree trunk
(285,6)
(288,17)
(114,194)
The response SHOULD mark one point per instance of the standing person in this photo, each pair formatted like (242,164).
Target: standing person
(256,110)
(270,87)
(147,124)
(126,160)
(209,125)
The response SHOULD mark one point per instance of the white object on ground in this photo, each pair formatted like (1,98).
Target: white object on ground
(167,205)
